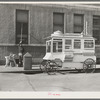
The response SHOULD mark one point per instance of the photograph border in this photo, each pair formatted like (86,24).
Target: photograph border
(49,95)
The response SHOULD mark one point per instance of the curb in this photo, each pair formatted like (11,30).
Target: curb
(39,71)
(35,69)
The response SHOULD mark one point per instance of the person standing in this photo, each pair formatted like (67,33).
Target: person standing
(20,54)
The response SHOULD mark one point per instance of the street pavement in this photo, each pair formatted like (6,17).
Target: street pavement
(16,79)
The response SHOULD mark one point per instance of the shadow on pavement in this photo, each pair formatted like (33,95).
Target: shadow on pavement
(63,72)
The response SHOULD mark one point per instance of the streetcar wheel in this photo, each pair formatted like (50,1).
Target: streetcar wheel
(43,66)
(51,67)
(89,65)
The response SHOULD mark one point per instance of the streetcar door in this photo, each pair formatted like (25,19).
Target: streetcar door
(57,45)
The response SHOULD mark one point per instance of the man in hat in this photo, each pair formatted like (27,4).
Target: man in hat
(20,54)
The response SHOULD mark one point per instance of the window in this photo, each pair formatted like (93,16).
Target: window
(88,44)
(58,22)
(96,28)
(77,44)
(57,46)
(78,23)
(68,44)
(22,26)
(49,46)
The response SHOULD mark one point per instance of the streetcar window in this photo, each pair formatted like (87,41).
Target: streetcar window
(77,44)
(68,44)
(57,46)
(54,47)
(88,44)
(48,46)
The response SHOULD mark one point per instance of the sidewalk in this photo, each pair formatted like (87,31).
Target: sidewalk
(35,69)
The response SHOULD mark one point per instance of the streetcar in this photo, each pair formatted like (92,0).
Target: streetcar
(69,51)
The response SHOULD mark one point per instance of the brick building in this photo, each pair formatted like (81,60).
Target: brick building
(33,22)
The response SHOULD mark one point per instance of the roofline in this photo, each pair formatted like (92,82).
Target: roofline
(81,5)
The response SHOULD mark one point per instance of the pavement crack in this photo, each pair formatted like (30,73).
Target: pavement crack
(30,83)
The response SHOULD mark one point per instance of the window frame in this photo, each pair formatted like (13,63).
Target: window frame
(81,25)
(48,47)
(69,46)
(77,41)
(59,48)
(22,25)
(96,28)
(61,25)
(85,40)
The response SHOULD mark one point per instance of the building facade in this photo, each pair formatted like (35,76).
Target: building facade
(32,23)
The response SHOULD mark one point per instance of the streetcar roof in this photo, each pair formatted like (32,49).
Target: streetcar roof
(70,35)
(59,34)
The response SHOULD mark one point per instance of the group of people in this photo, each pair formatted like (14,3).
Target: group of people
(10,60)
